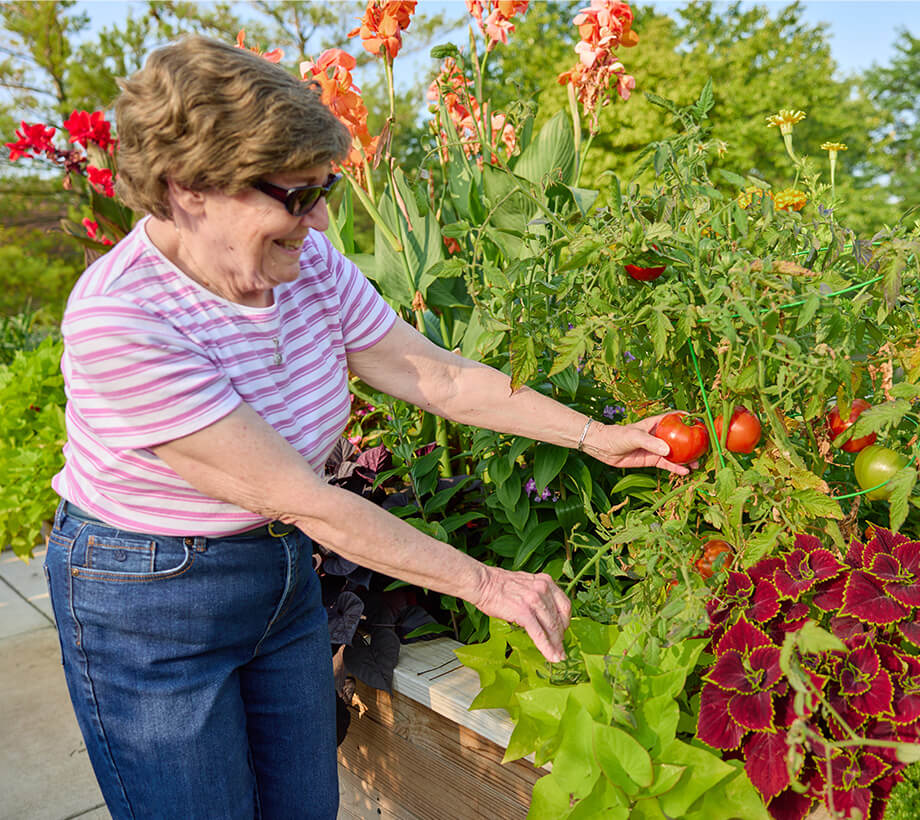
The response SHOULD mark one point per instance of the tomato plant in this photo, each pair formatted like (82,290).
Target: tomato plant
(645,274)
(876,464)
(743,431)
(712,549)
(837,425)
(687,437)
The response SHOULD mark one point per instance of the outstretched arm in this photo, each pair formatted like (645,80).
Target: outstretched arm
(407,365)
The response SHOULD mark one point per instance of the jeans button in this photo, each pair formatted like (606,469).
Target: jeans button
(189,542)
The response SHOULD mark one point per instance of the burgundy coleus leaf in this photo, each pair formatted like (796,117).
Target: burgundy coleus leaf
(743,637)
(738,588)
(910,631)
(714,726)
(764,569)
(790,805)
(754,711)
(829,594)
(801,570)
(877,700)
(858,670)
(807,543)
(908,554)
(865,598)
(854,556)
(850,801)
(846,628)
(765,762)
(729,673)
(764,604)
(899,581)
(871,768)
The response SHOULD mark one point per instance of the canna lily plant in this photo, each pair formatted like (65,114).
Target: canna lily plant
(815,682)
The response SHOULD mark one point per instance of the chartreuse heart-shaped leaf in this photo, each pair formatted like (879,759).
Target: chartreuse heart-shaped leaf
(622,759)
(605,800)
(704,771)
(499,694)
(593,637)
(574,767)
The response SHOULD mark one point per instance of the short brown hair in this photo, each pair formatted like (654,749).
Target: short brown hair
(211,116)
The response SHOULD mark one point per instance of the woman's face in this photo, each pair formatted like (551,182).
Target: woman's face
(248,243)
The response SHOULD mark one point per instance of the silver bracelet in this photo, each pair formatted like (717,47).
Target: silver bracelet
(584,432)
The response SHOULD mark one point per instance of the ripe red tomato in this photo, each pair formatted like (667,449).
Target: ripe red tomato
(876,464)
(645,274)
(687,438)
(743,431)
(837,425)
(712,549)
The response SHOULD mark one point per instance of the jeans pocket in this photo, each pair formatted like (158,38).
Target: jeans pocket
(105,554)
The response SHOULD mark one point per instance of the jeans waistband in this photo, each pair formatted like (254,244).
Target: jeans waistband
(273,529)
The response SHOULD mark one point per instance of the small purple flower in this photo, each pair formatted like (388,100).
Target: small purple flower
(614,411)
(628,356)
(824,288)
(571,325)
(825,211)
(530,486)
(545,494)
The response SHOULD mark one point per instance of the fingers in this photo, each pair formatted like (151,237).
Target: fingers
(533,602)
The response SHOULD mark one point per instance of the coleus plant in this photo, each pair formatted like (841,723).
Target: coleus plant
(815,682)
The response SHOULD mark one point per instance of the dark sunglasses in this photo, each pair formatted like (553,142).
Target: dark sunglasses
(300,200)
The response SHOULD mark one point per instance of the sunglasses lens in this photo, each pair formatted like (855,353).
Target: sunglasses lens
(299,202)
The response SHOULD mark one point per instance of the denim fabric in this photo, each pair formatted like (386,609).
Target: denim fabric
(199,670)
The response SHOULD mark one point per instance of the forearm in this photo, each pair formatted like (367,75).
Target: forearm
(481,396)
(280,485)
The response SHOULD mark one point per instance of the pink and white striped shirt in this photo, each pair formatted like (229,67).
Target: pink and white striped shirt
(150,355)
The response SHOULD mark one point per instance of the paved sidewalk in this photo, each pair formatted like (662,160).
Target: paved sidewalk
(44,769)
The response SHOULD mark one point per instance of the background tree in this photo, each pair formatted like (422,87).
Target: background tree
(896,90)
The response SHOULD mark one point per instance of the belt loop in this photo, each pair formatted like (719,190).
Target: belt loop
(59,513)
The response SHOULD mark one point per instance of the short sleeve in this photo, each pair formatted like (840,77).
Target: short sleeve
(135,379)
(365,317)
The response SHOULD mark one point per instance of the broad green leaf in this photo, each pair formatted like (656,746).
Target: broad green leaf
(574,766)
(704,771)
(551,151)
(533,537)
(622,758)
(816,504)
(605,800)
(548,461)
(499,693)
(665,777)
(548,801)
(593,637)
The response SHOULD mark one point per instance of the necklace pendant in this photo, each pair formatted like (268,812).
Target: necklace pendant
(277,357)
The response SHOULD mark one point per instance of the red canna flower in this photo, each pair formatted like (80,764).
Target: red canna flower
(101,180)
(92,231)
(31,138)
(274,56)
(84,127)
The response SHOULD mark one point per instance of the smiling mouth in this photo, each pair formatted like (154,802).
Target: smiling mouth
(290,244)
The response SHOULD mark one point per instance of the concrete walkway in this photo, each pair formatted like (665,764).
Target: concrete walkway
(44,769)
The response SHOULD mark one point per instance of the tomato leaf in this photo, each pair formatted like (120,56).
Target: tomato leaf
(901,484)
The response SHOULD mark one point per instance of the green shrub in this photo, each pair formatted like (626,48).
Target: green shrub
(32,436)
(904,803)
(30,277)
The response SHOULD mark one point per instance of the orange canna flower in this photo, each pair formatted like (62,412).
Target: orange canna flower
(274,56)
(496,25)
(602,26)
(382,25)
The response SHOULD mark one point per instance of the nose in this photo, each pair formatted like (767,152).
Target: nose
(317,217)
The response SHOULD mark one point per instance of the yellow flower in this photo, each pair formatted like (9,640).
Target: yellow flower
(833,146)
(790,199)
(752,194)
(785,120)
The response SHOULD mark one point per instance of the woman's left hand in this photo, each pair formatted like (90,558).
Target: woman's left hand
(632,445)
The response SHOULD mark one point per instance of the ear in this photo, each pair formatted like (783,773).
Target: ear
(185,199)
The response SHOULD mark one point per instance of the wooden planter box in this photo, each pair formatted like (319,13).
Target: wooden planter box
(419,754)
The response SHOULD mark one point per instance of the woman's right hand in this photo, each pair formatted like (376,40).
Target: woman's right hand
(532,601)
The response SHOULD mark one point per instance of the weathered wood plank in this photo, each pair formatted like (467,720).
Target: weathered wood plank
(358,801)
(429,765)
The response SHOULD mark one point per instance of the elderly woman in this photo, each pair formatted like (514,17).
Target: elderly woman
(206,361)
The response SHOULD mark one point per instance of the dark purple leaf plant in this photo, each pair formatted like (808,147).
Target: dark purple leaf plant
(815,681)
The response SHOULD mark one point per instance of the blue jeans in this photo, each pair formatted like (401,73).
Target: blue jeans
(199,670)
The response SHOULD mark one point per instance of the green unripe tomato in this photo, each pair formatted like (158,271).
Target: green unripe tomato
(876,464)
